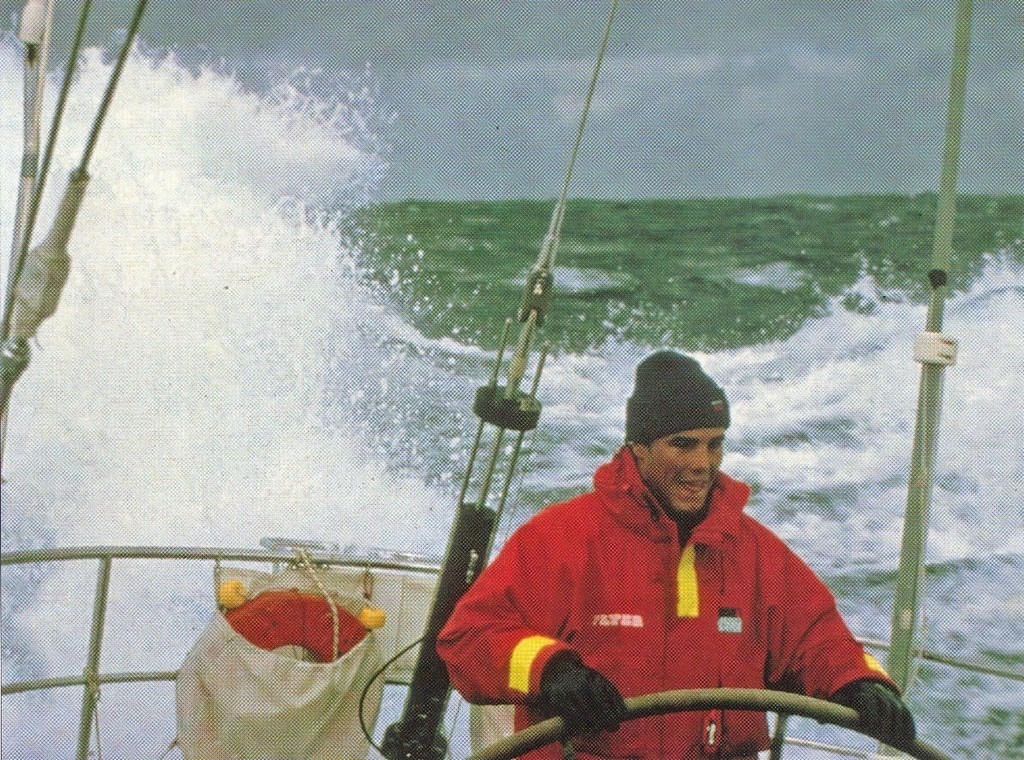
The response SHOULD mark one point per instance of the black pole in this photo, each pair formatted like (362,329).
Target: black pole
(417,736)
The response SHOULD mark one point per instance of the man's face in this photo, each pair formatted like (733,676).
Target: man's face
(681,468)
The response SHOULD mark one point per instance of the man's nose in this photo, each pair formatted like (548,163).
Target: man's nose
(700,459)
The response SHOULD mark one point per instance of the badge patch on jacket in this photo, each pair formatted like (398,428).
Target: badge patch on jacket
(729,620)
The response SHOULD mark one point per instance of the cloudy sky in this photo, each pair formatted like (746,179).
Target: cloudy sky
(696,98)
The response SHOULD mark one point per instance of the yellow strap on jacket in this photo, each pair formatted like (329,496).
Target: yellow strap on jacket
(521,662)
(688,600)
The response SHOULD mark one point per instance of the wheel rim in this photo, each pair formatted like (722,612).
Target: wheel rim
(760,700)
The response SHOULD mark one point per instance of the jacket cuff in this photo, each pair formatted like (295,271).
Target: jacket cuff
(527,662)
(872,671)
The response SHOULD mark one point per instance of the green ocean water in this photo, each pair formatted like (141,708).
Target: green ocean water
(805,308)
(707,274)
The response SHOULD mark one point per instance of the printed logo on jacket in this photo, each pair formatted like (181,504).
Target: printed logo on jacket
(619,619)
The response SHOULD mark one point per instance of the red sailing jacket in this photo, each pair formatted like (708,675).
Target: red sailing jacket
(604,575)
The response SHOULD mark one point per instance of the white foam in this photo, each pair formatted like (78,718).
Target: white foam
(189,353)
(831,409)
(177,396)
(781,275)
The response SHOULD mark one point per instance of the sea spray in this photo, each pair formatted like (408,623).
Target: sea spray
(189,353)
(179,395)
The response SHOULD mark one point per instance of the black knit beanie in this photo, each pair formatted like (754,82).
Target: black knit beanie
(672,393)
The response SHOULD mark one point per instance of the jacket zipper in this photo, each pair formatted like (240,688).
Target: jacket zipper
(669,620)
(715,722)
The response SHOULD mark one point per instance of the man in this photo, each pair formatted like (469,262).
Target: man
(656,580)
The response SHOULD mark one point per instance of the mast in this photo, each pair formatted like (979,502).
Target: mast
(935,351)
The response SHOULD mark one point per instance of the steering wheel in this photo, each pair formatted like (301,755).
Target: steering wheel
(663,702)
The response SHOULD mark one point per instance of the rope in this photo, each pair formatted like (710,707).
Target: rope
(307,566)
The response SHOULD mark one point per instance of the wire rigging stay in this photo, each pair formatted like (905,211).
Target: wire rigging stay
(416,735)
(36,278)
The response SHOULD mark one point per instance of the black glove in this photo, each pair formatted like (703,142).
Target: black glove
(585,699)
(882,712)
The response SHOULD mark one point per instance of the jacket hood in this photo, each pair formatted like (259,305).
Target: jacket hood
(634,506)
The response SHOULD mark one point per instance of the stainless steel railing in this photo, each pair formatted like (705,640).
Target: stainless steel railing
(92,679)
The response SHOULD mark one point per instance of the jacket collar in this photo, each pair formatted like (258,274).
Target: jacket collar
(633,505)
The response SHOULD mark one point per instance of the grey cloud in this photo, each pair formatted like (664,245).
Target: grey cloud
(727,97)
